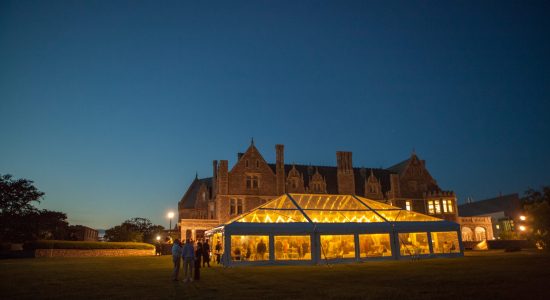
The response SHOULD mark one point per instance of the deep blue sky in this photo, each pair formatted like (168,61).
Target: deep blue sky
(112,106)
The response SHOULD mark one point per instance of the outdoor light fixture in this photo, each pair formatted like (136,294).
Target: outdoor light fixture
(158,237)
(522,228)
(522,218)
(170,216)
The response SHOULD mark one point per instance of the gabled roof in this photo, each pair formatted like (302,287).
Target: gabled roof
(399,167)
(189,198)
(315,208)
(331,176)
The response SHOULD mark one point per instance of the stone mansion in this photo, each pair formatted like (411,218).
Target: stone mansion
(252,181)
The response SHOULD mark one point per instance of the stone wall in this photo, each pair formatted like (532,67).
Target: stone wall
(91,252)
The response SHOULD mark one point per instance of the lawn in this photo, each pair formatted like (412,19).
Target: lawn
(494,275)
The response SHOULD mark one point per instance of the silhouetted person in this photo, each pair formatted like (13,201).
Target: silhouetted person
(188,257)
(176,254)
(198,255)
(206,254)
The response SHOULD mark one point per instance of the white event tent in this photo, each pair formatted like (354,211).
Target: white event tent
(313,229)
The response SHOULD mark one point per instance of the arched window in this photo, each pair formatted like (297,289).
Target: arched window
(467,234)
(481,234)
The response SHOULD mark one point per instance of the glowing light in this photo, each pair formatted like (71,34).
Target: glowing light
(522,228)
(158,237)
(523,218)
(170,215)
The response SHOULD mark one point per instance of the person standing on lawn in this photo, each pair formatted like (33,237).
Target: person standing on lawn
(198,256)
(188,256)
(206,254)
(176,254)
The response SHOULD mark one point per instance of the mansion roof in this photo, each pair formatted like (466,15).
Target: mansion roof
(328,172)
(330,175)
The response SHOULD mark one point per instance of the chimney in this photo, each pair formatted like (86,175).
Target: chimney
(280,168)
(223,178)
(346,178)
(214,177)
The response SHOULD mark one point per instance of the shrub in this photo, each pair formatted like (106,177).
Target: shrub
(52,244)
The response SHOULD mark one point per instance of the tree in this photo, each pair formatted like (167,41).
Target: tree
(134,230)
(537,206)
(16,196)
(20,220)
(50,225)
(123,233)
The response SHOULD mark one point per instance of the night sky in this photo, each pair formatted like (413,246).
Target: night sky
(112,106)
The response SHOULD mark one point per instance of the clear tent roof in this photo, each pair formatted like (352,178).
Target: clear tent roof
(315,208)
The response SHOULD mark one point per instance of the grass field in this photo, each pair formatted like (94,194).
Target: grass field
(494,275)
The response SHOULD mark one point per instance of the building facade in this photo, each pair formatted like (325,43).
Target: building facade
(503,213)
(252,181)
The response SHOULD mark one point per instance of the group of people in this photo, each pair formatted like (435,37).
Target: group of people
(250,250)
(193,256)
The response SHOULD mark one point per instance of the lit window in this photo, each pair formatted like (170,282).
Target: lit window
(437,207)
(249,247)
(296,247)
(444,205)
(337,246)
(414,243)
(445,242)
(450,205)
(431,207)
(374,245)
(408,205)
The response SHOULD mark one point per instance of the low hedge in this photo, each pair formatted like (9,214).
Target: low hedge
(53,244)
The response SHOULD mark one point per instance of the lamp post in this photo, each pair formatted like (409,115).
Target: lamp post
(170,216)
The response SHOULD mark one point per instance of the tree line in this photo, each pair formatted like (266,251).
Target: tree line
(21,221)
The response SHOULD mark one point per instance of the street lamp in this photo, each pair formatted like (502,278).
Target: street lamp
(522,228)
(523,218)
(158,238)
(170,216)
